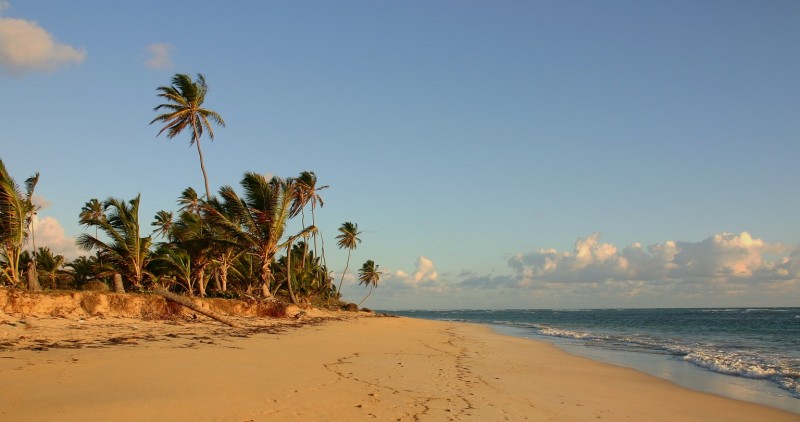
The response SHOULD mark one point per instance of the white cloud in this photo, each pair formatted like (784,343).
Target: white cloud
(426,271)
(4,5)
(424,276)
(723,270)
(40,201)
(47,231)
(27,47)
(722,265)
(159,56)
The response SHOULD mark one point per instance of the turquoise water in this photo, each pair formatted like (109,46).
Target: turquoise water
(748,354)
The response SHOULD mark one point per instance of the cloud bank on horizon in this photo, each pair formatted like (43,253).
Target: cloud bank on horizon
(27,47)
(725,268)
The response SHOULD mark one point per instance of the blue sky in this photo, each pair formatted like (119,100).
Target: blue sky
(494,154)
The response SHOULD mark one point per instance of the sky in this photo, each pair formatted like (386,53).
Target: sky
(513,154)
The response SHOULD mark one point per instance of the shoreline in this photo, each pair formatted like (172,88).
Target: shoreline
(350,368)
(678,372)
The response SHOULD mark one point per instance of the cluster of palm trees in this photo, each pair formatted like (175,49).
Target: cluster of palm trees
(227,245)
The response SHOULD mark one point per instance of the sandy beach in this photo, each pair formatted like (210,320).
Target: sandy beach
(341,367)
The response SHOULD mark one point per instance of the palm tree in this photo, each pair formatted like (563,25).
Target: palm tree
(49,265)
(192,234)
(368,275)
(176,264)
(185,99)
(92,210)
(127,250)
(16,216)
(289,271)
(306,192)
(309,276)
(81,270)
(163,224)
(256,222)
(189,201)
(347,239)
(224,252)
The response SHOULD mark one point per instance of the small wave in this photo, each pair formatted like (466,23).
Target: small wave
(784,371)
(748,366)
(766,310)
(720,310)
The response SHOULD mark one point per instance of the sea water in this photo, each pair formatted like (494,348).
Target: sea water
(746,354)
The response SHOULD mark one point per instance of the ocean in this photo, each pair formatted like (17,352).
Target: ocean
(744,353)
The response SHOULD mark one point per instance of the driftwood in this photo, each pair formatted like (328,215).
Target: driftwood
(180,300)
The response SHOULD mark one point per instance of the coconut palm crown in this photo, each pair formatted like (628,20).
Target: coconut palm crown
(369,276)
(185,99)
(348,238)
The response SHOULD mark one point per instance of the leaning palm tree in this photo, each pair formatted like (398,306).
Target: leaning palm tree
(368,275)
(185,99)
(257,221)
(126,249)
(347,239)
(16,215)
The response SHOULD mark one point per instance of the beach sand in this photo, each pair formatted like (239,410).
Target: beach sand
(344,368)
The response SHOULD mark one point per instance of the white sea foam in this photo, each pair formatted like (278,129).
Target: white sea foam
(748,366)
(729,362)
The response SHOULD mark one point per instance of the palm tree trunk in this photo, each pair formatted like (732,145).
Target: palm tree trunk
(365,297)
(339,291)
(202,164)
(223,276)
(201,282)
(289,273)
(118,286)
(33,278)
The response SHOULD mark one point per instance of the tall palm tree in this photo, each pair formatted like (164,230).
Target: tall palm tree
(368,275)
(126,249)
(16,215)
(347,239)
(185,99)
